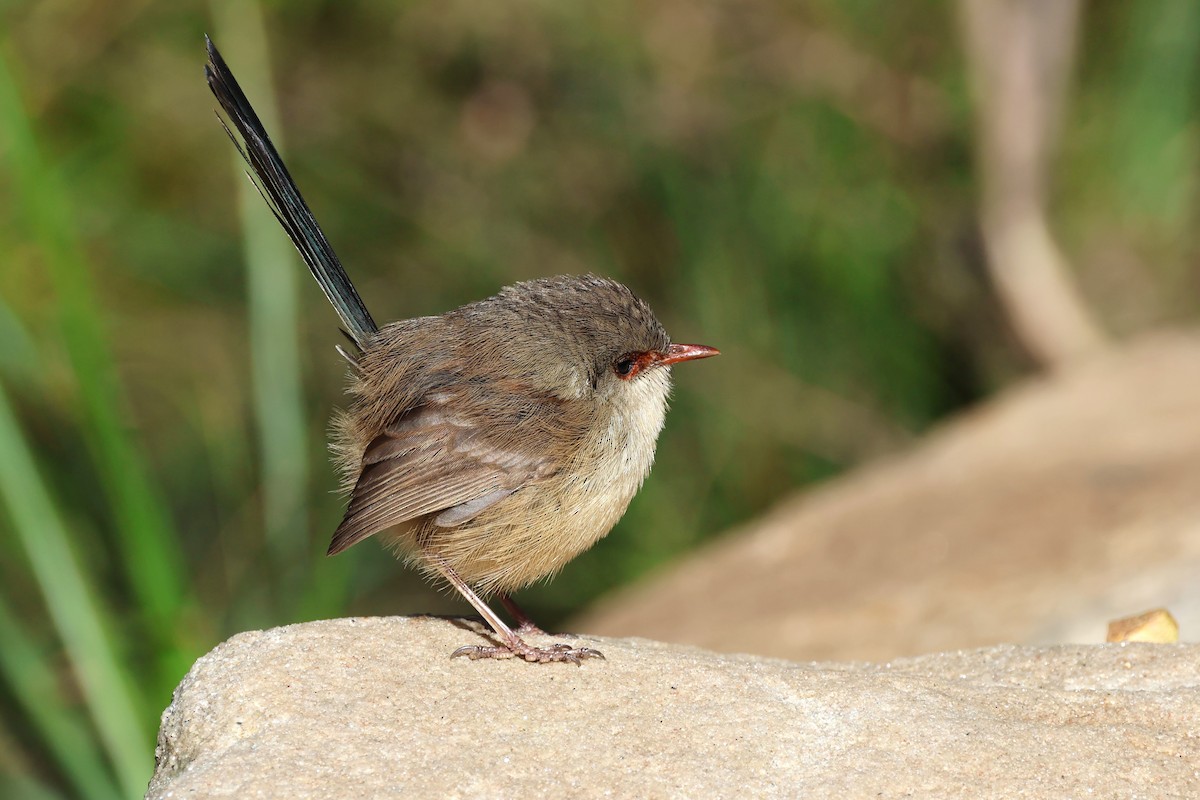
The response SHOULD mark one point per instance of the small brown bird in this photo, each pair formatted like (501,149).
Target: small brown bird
(493,443)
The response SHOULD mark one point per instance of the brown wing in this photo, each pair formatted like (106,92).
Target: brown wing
(431,462)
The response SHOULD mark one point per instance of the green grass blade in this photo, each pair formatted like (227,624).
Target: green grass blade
(26,788)
(74,607)
(1154,166)
(273,276)
(148,544)
(31,683)
(18,356)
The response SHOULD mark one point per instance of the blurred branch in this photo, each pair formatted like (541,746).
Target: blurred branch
(1020,54)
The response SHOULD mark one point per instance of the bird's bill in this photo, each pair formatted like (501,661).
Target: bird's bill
(687,352)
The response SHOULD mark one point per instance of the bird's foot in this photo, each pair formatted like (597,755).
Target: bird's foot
(538,655)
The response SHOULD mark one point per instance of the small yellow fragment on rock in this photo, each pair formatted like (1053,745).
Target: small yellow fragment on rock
(1157,626)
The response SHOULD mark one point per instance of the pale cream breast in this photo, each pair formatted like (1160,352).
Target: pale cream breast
(568,512)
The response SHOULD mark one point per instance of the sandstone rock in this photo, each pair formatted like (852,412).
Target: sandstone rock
(375,708)
(1036,518)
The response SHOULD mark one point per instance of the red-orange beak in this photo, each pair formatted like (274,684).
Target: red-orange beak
(687,352)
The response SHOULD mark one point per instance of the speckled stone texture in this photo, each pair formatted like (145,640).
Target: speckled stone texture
(375,708)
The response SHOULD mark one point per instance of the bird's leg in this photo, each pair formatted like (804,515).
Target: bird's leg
(524,623)
(511,645)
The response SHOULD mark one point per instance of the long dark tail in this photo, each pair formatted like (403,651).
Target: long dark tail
(279,190)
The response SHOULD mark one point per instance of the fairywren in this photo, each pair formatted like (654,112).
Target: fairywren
(492,443)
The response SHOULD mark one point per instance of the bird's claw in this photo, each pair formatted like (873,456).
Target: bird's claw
(538,655)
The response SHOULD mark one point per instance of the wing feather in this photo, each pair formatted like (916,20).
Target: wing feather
(425,463)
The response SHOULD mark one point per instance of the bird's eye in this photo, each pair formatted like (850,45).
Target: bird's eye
(625,367)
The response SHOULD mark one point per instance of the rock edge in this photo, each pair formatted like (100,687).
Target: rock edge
(374,707)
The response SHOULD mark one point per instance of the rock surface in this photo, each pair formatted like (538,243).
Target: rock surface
(373,707)
(1036,518)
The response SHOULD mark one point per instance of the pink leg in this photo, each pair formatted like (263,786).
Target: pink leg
(524,624)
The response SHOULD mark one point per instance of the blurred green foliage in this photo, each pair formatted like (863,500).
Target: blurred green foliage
(790,182)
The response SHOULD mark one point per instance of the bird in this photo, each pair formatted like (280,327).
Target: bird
(493,443)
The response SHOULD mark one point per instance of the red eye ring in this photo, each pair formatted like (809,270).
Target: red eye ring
(625,367)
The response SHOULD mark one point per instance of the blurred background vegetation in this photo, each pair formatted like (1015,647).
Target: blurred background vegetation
(793,182)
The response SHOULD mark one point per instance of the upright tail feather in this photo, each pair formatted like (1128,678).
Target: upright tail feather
(279,190)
